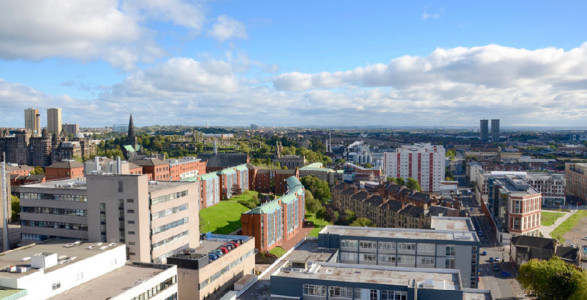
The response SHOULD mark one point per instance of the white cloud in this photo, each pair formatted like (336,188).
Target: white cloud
(93,29)
(227,28)
(426,16)
(448,87)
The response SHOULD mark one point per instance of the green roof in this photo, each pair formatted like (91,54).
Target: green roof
(289,198)
(189,179)
(207,176)
(226,171)
(129,148)
(242,167)
(292,182)
(266,208)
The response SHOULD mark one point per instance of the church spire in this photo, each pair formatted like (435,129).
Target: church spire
(130,138)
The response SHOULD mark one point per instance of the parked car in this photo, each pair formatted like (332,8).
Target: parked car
(480,233)
(484,253)
(218,252)
(505,274)
(223,249)
(497,259)
(491,259)
(495,268)
(228,246)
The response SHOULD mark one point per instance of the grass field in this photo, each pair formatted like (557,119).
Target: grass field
(318,224)
(568,225)
(548,218)
(224,217)
(277,251)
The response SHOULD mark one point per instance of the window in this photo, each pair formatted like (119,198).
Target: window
(131,233)
(348,257)
(374,295)
(426,260)
(387,246)
(425,248)
(449,263)
(130,200)
(349,244)
(340,292)
(387,259)
(130,221)
(130,211)
(450,250)
(314,290)
(393,295)
(367,245)
(367,258)
(406,247)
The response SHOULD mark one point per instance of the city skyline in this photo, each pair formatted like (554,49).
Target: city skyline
(233,64)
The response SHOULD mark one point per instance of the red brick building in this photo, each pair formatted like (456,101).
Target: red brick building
(277,221)
(23,170)
(186,167)
(270,180)
(67,169)
(156,169)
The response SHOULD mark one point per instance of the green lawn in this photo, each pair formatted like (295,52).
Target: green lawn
(224,217)
(548,218)
(277,251)
(318,224)
(567,225)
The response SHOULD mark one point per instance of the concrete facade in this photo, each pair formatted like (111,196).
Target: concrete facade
(54,121)
(423,162)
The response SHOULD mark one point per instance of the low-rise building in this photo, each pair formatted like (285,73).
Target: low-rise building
(319,171)
(524,248)
(186,167)
(67,169)
(203,274)
(277,221)
(576,175)
(156,169)
(291,161)
(414,248)
(75,270)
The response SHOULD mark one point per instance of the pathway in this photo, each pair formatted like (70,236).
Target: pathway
(547,230)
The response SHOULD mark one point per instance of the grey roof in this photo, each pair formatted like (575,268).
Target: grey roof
(374,200)
(67,164)
(567,253)
(361,195)
(420,197)
(414,211)
(149,162)
(535,242)
(223,160)
(393,205)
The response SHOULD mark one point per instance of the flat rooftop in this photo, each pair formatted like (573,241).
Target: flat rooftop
(22,256)
(452,223)
(402,233)
(73,184)
(161,185)
(113,283)
(309,251)
(440,279)
(516,186)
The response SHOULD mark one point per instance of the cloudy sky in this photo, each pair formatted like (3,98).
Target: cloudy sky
(352,63)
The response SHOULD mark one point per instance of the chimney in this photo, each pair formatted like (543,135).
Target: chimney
(118,165)
(97,164)
(215,148)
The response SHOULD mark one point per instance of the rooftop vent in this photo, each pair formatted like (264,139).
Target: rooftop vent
(428,284)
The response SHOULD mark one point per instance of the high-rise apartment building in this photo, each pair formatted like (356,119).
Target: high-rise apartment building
(495,130)
(70,128)
(54,120)
(484,130)
(32,120)
(423,162)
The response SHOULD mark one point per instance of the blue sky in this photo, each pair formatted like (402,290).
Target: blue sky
(391,63)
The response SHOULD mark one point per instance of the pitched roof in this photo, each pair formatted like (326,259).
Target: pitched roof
(224,160)
(567,253)
(149,162)
(420,197)
(393,205)
(414,211)
(374,200)
(361,195)
(66,164)
(534,241)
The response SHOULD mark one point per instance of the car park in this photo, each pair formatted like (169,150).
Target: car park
(495,268)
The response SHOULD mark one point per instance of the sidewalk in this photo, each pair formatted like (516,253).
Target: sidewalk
(547,230)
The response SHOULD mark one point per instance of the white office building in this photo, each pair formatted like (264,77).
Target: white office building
(423,162)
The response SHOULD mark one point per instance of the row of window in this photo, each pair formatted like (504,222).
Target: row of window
(227,268)
(57,225)
(392,247)
(168,197)
(170,239)
(350,293)
(58,197)
(54,211)
(385,259)
(160,287)
(168,212)
(170,225)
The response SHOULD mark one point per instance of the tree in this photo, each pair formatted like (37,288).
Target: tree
(391,179)
(368,166)
(449,175)
(312,204)
(37,171)
(413,184)
(236,190)
(321,213)
(331,215)
(362,222)
(350,216)
(451,153)
(15,208)
(400,181)
(553,279)
(319,188)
